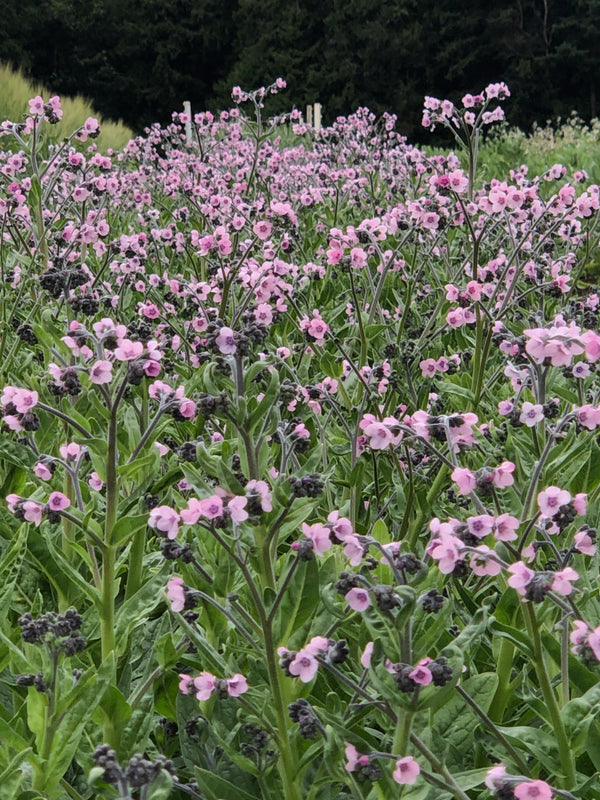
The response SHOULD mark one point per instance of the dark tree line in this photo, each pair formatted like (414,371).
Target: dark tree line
(139,59)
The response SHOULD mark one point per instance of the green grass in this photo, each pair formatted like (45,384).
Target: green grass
(16,90)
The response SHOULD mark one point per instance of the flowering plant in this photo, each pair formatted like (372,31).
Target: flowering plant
(300,465)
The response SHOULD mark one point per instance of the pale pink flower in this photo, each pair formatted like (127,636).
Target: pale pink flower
(70,451)
(58,501)
(236,685)
(533,790)
(495,777)
(583,542)
(464,479)
(580,504)
(551,499)
(101,372)
(445,550)
(421,675)
(32,512)
(503,475)
(482,563)
(367,653)
(304,666)
(128,350)
(236,507)
(480,526)
(211,507)
(319,536)
(354,758)
(263,490)
(358,599)
(187,408)
(176,594)
(531,414)
(42,471)
(225,341)
(95,481)
(561,583)
(185,683)
(165,520)
(579,635)
(407,771)
(353,550)
(204,684)
(506,528)
(24,400)
(521,576)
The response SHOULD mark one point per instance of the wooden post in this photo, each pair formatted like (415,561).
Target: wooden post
(309,115)
(187,109)
(317,116)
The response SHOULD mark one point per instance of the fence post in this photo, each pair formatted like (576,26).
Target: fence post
(317,116)
(187,109)
(309,115)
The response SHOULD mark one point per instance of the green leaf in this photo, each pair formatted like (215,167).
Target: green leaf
(76,710)
(126,526)
(135,611)
(298,603)
(16,454)
(216,788)
(535,742)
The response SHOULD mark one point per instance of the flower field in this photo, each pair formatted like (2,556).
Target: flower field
(300,463)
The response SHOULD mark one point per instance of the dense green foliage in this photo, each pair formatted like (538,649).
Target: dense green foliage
(139,60)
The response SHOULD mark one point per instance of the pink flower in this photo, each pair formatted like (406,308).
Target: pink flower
(128,350)
(101,372)
(480,526)
(445,550)
(42,471)
(358,599)
(185,683)
(225,341)
(353,550)
(58,501)
(503,475)
(264,492)
(32,512)
(531,414)
(165,520)
(407,771)
(70,451)
(506,527)
(533,790)
(236,507)
(421,675)
(187,408)
(204,684)
(236,685)
(354,758)
(464,479)
(24,400)
(319,536)
(482,563)
(176,594)
(95,481)
(562,581)
(211,507)
(521,576)
(365,658)
(551,499)
(304,666)
(579,503)
(495,777)
(583,542)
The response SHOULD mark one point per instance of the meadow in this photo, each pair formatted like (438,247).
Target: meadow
(300,458)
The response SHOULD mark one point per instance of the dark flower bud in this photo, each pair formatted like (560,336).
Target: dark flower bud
(432,601)
(441,672)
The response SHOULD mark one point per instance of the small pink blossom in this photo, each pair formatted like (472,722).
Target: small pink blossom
(551,499)
(95,481)
(533,790)
(165,520)
(561,583)
(176,594)
(128,350)
(319,536)
(464,479)
(583,542)
(101,372)
(236,685)
(358,599)
(531,414)
(204,684)
(521,576)
(367,653)
(506,528)
(32,512)
(421,675)
(58,501)
(407,771)
(503,475)
(42,471)
(236,507)
(225,341)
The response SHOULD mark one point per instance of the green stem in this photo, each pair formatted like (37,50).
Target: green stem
(503,670)
(566,758)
